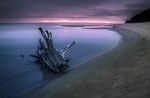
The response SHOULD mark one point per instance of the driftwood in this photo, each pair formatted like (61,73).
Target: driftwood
(49,56)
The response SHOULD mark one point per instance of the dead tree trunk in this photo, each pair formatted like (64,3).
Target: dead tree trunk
(49,56)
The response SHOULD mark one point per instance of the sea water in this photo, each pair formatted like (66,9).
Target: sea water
(19,73)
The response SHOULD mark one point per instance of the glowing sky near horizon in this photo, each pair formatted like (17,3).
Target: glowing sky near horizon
(79,21)
(69,11)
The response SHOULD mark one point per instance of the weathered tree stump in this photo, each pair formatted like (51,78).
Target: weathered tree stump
(49,56)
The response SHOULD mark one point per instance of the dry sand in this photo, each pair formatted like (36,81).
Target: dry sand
(123,72)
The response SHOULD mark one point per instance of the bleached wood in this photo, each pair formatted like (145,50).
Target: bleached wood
(49,56)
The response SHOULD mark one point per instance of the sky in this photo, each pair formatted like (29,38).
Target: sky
(70,11)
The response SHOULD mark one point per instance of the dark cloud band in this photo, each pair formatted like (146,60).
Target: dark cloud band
(70,9)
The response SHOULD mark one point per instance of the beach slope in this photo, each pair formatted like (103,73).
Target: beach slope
(123,72)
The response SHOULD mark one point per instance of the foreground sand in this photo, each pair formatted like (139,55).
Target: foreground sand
(123,72)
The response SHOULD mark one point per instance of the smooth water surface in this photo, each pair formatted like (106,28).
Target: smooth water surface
(19,74)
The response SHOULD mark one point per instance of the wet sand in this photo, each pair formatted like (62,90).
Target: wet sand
(123,72)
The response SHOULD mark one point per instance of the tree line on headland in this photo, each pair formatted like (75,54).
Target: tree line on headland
(143,16)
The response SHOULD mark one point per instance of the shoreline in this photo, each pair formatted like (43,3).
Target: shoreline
(47,72)
(104,79)
(97,55)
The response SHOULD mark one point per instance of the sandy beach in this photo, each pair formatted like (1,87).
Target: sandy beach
(122,72)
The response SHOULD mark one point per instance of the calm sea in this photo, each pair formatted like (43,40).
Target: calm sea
(20,74)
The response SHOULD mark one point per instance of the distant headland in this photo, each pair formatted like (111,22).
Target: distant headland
(143,16)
